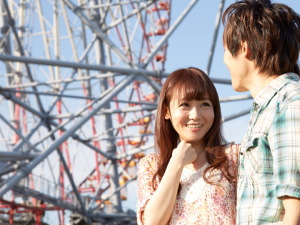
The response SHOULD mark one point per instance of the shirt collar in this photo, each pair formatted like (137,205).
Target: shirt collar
(273,87)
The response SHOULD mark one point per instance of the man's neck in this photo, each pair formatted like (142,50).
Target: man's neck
(259,82)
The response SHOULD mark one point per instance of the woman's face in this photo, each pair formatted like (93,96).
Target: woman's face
(191,119)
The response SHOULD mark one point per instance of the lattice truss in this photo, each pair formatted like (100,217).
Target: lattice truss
(79,84)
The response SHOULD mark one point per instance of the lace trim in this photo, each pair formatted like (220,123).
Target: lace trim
(192,183)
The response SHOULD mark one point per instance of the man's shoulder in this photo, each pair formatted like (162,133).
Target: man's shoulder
(290,91)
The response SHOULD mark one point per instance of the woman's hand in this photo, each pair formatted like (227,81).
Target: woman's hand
(184,154)
(165,195)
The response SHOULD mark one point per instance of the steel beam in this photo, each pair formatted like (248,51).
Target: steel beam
(12,181)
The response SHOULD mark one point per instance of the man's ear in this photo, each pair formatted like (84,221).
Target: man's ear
(167,115)
(245,50)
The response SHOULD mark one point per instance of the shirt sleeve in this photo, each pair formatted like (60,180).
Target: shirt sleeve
(285,146)
(146,169)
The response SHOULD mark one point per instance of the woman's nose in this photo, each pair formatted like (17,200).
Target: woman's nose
(195,113)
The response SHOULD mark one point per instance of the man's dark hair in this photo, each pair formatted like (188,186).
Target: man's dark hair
(271,31)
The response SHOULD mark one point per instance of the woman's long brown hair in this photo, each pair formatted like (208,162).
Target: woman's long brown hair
(194,84)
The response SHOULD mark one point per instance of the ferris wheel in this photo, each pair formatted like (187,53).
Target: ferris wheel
(79,87)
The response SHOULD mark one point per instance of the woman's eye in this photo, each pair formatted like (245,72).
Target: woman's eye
(185,104)
(205,104)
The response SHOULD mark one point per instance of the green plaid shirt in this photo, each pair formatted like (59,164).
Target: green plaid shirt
(270,153)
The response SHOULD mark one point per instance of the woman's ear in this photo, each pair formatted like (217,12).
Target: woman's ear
(167,115)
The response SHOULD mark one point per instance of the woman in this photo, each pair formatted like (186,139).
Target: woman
(191,178)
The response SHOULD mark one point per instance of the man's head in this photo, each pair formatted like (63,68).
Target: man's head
(271,31)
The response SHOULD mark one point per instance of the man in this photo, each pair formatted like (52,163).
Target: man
(261,41)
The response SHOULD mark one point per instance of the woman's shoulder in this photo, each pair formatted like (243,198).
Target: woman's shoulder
(150,160)
(232,151)
(232,148)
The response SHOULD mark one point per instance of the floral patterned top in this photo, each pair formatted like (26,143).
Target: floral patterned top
(198,202)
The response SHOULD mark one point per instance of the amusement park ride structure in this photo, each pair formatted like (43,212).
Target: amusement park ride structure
(79,85)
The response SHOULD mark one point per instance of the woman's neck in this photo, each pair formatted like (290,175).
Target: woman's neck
(201,158)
